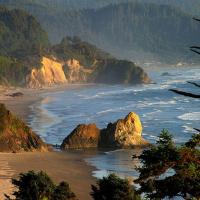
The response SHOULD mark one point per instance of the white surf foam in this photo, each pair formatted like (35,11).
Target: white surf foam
(193,116)
(188,129)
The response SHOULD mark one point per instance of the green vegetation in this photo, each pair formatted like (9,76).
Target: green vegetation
(192,6)
(20,34)
(22,40)
(113,71)
(167,171)
(39,186)
(106,68)
(23,43)
(73,47)
(15,135)
(170,171)
(12,71)
(114,188)
(144,31)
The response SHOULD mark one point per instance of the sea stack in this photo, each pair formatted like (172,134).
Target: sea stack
(16,136)
(124,133)
(83,136)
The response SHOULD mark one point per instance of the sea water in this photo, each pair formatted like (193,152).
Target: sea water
(60,112)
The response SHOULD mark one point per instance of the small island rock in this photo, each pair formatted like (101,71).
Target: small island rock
(83,136)
(124,133)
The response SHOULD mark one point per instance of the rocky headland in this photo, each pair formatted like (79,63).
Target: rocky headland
(124,133)
(30,60)
(16,136)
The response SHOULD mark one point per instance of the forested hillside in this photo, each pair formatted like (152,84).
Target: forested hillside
(20,33)
(189,6)
(21,38)
(137,31)
(28,59)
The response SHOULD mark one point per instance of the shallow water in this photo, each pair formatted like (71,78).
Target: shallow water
(60,112)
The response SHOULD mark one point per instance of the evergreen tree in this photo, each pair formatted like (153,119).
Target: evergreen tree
(113,188)
(164,158)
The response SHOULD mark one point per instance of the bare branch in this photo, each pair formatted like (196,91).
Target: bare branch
(196,129)
(193,83)
(196,19)
(185,93)
(195,51)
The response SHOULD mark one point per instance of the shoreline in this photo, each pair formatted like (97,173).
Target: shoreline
(60,166)
(21,106)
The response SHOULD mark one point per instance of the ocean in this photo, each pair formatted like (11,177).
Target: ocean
(60,112)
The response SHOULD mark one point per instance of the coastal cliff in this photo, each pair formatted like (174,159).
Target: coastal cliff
(75,72)
(16,136)
(56,72)
(29,60)
(124,133)
(49,74)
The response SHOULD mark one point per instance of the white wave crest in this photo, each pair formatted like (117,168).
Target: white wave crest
(193,116)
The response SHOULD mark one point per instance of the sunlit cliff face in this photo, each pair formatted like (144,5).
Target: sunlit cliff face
(49,74)
(54,72)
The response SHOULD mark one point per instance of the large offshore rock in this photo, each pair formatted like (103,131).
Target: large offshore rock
(124,133)
(16,136)
(83,136)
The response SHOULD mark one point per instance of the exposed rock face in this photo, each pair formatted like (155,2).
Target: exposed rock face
(124,133)
(110,71)
(75,73)
(83,136)
(55,72)
(16,136)
(49,74)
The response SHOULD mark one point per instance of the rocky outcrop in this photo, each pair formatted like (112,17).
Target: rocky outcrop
(114,71)
(49,74)
(16,136)
(83,136)
(75,72)
(53,72)
(124,133)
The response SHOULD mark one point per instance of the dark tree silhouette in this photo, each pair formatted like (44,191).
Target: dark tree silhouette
(114,188)
(39,186)
(187,94)
(183,163)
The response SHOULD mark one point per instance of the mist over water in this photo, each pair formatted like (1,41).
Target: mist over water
(60,112)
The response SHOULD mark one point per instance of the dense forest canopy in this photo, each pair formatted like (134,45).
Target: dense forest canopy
(20,33)
(21,38)
(24,46)
(191,6)
(129,29)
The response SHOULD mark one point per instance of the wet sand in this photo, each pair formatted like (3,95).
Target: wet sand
(20,106)
(60,166)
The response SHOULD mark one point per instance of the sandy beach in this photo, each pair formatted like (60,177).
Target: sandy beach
(20,106)
(60,166)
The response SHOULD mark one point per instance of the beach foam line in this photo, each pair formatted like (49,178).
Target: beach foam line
(192,116)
